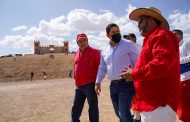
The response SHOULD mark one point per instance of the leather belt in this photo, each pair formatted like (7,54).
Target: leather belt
(118,81)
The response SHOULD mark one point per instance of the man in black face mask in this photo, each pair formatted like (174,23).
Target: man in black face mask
(114,58)
(116,37)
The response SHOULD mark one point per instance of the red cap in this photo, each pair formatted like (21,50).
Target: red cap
(82,35)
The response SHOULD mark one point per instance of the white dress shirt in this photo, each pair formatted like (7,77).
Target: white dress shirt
(115,59)
(185,58)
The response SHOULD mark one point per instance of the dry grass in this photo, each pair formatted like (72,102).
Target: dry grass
(20,69)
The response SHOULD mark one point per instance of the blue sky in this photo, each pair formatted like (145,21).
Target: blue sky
(53,21)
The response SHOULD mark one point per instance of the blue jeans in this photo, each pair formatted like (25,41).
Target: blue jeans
(122,94)
(81,93)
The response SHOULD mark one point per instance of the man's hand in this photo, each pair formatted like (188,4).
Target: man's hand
(98,88)
(127,73)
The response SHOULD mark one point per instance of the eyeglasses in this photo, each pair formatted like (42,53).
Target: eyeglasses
(140,20)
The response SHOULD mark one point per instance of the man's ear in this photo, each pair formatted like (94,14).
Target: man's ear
(181,37)
(107,35)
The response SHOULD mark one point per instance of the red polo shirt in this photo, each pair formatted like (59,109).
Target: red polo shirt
(157,73)
(86,66)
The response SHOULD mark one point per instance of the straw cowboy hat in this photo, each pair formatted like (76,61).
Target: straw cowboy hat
(152,12)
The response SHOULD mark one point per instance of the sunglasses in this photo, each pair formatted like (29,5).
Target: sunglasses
(140,20)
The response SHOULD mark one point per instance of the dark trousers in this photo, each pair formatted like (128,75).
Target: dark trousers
(81,93)
(122,93)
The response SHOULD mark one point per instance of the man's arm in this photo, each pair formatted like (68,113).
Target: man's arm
(102,70)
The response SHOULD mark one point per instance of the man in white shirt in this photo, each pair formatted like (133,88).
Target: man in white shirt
(184,106)
(114,58)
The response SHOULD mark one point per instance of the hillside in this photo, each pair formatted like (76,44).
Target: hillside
(20,68)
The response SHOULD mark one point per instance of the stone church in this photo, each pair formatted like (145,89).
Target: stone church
(39,49)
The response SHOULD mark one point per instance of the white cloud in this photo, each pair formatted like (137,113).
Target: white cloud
(186,37)
(180,20)
(87,21)
(17,42)
(66,27)
(55,26)
(130,9)
(98,41)
(19,28)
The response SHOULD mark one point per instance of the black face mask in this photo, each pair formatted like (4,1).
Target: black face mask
(116,37)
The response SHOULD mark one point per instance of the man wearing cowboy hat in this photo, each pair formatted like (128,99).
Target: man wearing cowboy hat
(156,74)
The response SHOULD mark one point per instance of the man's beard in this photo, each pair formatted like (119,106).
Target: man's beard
(143,29)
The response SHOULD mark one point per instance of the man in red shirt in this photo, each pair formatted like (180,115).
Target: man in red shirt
(86,62)
(156,73)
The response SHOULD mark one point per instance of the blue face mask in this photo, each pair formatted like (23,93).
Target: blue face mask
(116,37)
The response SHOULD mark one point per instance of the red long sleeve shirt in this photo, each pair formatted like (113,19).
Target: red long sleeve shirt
(86,66)
(157,73)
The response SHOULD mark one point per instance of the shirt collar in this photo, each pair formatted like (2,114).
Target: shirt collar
(116,44)
(150,32)
(85,49)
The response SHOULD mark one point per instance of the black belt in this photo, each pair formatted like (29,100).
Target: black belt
(187,64)
(118,81)
(122,81)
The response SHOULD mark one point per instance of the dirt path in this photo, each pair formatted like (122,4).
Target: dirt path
(46,101)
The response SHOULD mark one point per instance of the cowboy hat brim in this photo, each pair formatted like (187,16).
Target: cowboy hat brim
(135,14)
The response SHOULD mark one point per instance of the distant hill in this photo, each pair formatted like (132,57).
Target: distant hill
(19,69)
